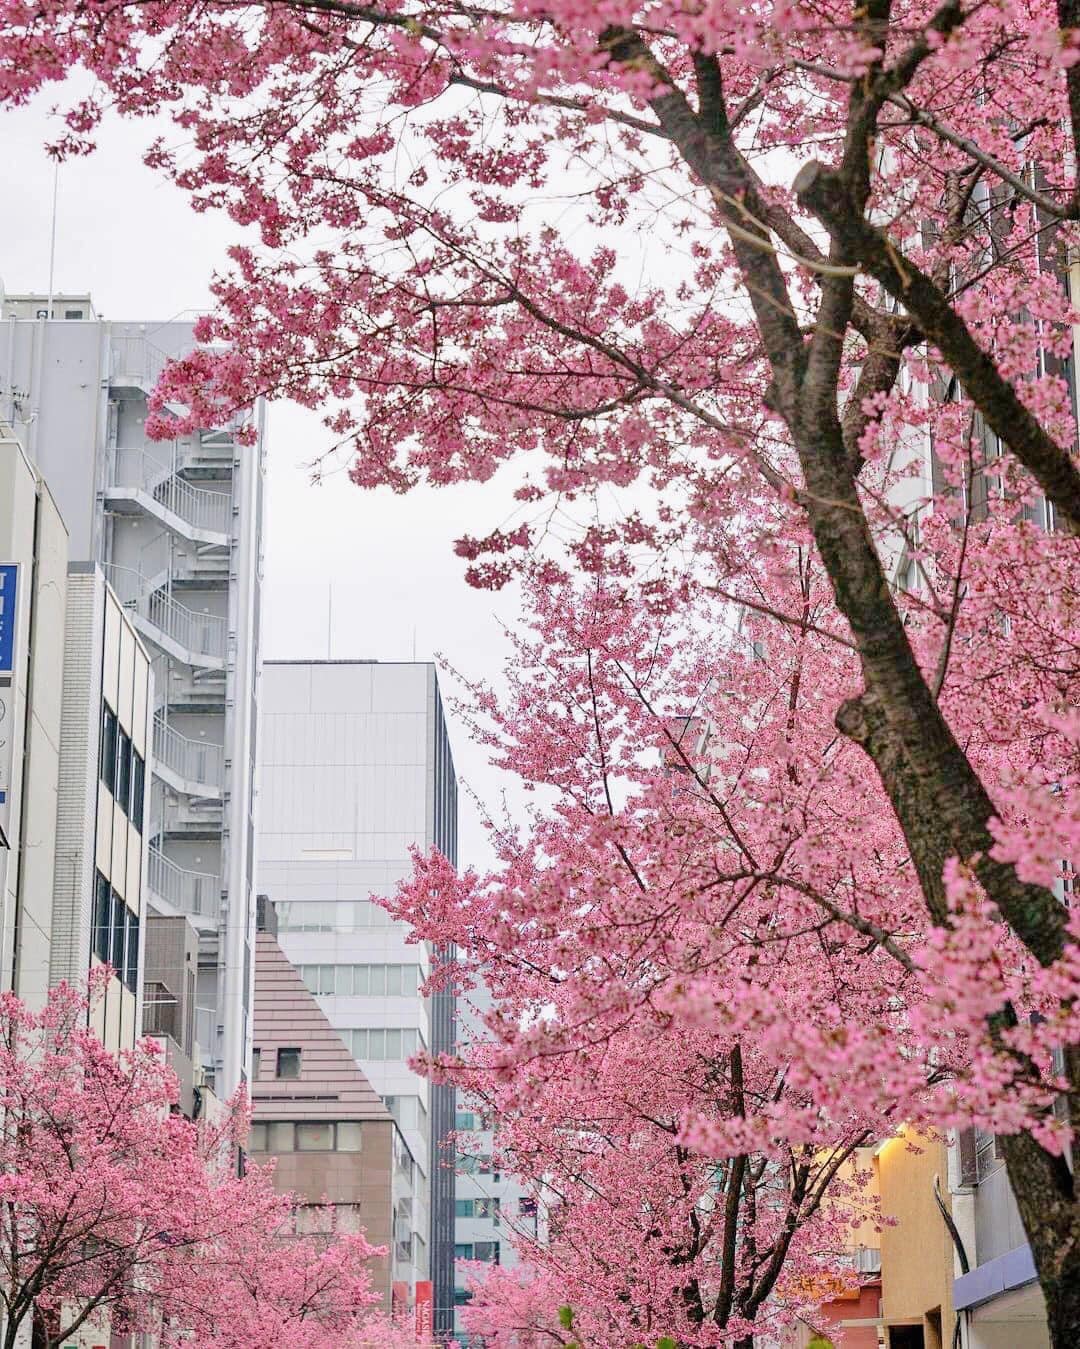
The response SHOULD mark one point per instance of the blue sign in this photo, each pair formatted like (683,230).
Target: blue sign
(9,613)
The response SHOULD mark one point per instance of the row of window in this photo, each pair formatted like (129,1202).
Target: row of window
(477,1208)
(380,1043)
(361,980)
(122,768)
(487,1251)
(289,1137)
(115,937)
(334,915)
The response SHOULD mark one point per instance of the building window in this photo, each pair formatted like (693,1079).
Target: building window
(488,1208)
(288,1063)
(463,1208)
(465,1120)
(116,957)
(314,1219)
(131,959)
(315,1137)
(255,1057)
(108,746)
(462,1296)
(463,1250)
(73,313)
(138,788)
(488,1251)
(257,1138)
(122,790)
(279,1138)
(349,1137)
(343,915)
(361,980)
(527,1208)
(102,918)
(382,1043)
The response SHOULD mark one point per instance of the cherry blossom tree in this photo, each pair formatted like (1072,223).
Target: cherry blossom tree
(702,1006)
(714,277)
(116,1211)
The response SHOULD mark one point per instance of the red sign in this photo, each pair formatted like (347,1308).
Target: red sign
(425,1309)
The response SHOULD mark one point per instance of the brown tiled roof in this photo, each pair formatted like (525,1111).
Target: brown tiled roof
(331,1084)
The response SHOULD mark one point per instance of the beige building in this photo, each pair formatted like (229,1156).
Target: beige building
(916,1248)
(337,1145)
(101,843)
(898,1274)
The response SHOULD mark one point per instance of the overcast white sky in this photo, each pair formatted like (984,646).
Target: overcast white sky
(129,238)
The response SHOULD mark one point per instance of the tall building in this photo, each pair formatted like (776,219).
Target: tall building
(354,770)
(76,689)
(176,529)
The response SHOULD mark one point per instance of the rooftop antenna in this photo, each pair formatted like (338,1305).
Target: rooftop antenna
(52,236)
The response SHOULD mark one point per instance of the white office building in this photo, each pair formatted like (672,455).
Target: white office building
(175,526)
(354,770)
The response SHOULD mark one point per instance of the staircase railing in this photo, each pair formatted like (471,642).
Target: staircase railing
(193,760)
(199,507)
(197,893)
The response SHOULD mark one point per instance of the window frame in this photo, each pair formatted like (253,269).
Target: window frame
(110,725)
(122,789)
(279,1062)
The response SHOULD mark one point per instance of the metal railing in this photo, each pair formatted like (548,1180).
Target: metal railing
(192,760)
(197,633)
(136,358)
(197,506)
(197,893)
(200,634)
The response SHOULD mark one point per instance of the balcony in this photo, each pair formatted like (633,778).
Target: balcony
(195,893)
(144,484)
(192,767)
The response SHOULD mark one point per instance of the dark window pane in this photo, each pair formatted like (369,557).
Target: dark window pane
(138,786)
(116,954)
(288,1063)
(108,746)
(131,961)
(122,791)
(102,915)
(255,1055)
